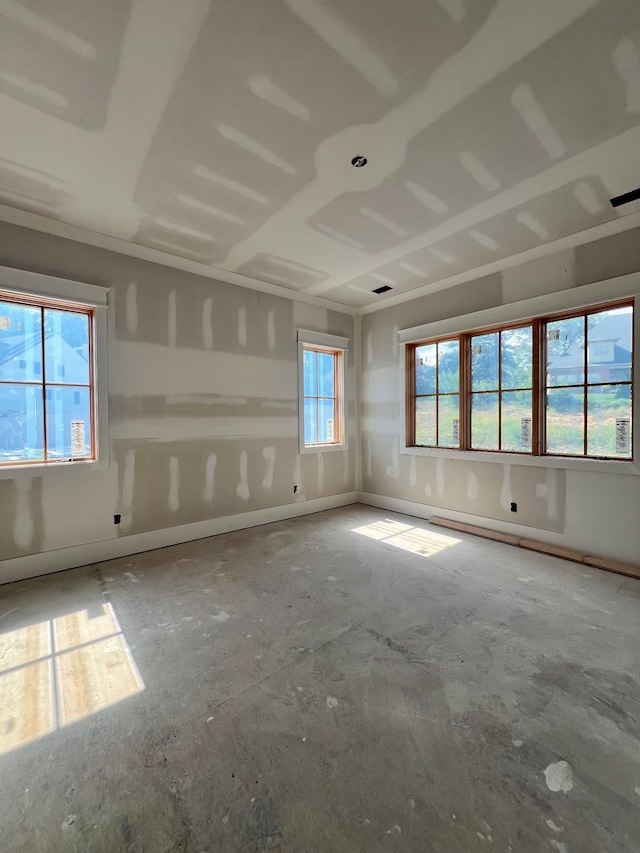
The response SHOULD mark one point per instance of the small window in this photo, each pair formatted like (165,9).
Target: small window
(46,415)
(322,396)
(321,390)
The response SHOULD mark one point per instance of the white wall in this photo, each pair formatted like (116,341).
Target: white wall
(203,416)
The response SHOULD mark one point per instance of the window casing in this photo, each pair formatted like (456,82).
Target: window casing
(321,382)
(557,385)
(90,302)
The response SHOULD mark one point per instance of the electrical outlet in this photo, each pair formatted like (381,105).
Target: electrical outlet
(117,518)
(295,489)
(514,506)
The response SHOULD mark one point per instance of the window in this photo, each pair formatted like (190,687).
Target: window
(588,384)
(501,390)
(559,385)
(437,393)
(321,377)
(321,396)
(46,381)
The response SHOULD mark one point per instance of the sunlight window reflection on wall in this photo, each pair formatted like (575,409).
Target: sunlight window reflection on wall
(59,671)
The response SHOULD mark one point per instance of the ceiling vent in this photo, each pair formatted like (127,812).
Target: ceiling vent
(382,289)
(634,195)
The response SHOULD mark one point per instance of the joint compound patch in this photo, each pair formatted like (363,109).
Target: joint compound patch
(559,777)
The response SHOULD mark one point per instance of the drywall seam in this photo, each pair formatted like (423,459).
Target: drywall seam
(620,287)
(420,510)
(572,241)
(34,565)
(43,224)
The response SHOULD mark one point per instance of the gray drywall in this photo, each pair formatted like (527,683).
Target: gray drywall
(598,512)
(203,405)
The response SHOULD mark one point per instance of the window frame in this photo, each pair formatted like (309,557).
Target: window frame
(437,394)
(516,315)
(25,287)
(338,347)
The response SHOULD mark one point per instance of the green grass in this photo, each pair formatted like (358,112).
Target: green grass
(564,430)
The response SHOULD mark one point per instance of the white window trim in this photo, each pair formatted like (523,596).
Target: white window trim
(96,297)
(307,337)
(623,287)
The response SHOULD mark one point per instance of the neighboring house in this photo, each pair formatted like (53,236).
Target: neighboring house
(609,357)
(20,362)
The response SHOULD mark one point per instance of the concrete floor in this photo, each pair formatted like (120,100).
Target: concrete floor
(354,680)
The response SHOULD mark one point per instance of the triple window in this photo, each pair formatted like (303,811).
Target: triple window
(559,385)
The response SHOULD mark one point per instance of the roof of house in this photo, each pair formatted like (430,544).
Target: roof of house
(616,328)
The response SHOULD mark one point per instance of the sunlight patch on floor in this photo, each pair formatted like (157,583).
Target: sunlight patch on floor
(415,539)
(59,671)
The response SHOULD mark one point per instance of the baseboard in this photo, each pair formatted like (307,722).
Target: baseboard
(34,565)
(521,531)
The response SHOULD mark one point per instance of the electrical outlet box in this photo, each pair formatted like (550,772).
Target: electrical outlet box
(514,507)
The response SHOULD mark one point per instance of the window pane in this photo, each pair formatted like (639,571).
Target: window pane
(426,421)
(516,357)
(449,421)
(565,351)
(66,347)
(20,343)
(21,423)
(609,421)
(484,362)
(326,369)
(448,367)
(426,369)
(516,426)
(484,421)
(310,421)
(310,387)
(326,421)
(610,345)
(68,422)
(565,421)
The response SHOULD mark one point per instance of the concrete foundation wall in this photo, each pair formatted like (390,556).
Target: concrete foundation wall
(592,510)
(203,406)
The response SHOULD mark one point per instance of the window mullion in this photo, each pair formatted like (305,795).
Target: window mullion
(499,390)
(537,388)
(584,396)
(437,396)
(410,402)
(92,404)
(44,387)
(465,392)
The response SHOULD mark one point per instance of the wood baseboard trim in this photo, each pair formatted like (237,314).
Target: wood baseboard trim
(542,547)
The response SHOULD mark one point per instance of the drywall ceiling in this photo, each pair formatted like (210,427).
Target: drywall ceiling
(222,131)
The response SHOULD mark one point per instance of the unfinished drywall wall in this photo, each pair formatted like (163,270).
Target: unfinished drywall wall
(203,406)
(596,511)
